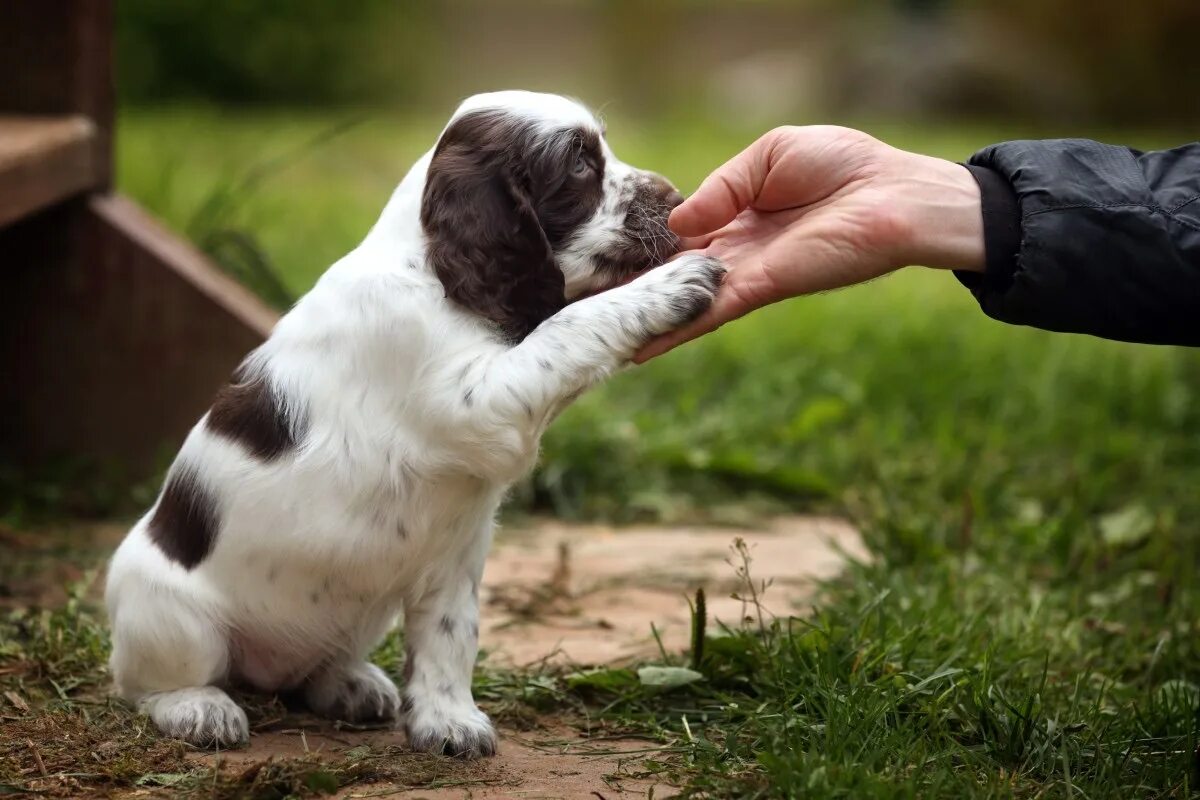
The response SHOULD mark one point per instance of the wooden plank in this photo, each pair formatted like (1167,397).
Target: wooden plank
(155,244)
(43,160)
(114,337)
(56,59)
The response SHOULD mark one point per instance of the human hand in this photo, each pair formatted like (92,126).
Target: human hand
(806,209)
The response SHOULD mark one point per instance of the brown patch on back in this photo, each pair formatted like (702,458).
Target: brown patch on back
(248,412)
(184,525)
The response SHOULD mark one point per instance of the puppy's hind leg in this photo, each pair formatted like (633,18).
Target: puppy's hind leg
(167,654)
(353,692)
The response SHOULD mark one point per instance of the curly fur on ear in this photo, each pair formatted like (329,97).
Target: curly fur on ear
(485,242)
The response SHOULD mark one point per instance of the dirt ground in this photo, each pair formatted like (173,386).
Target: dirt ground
(587,595)
(567,595)
(555,762)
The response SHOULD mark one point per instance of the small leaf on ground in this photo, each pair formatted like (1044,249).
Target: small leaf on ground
(1126,526)
(668,677)
(604,679)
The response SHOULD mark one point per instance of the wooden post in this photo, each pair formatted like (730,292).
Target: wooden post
(114,333)
(56,59)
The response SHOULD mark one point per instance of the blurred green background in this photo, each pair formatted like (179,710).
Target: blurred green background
(273,132)
(1074,61)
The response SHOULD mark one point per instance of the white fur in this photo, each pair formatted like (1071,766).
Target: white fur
(417,418)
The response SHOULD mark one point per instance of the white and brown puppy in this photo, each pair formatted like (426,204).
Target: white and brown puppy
(353,467)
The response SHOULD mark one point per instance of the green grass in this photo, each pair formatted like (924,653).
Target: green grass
(1028,625)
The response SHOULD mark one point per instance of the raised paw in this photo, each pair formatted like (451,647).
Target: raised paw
(689,283)
(353,693)
(453,729)
(201,715)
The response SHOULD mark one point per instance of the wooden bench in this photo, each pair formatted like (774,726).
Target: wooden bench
(114,333)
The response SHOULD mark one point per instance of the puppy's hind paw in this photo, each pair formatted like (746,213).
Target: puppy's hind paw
(201,715)
(354,693)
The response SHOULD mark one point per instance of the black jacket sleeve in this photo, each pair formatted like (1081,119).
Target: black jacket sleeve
(1085,237)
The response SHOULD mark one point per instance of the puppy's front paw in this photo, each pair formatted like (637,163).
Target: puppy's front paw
(453,729)
(201,715)
(353,693)
(690,283)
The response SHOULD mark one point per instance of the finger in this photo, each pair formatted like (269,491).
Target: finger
(692,243)
(724,194)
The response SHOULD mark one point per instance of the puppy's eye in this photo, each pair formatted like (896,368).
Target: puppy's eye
(582,167)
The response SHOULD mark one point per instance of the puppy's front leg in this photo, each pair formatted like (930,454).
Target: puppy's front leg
(589,339)
(586,341)
(441,631)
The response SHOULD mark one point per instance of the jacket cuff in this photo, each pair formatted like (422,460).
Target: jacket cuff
(1001,231)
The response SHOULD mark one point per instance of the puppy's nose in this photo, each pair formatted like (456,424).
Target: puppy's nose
(665,191)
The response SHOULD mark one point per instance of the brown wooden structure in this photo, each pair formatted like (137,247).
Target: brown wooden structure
(114,333)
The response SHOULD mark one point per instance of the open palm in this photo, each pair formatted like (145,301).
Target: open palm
(804,210)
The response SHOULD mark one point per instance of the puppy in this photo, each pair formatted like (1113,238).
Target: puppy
(354,465)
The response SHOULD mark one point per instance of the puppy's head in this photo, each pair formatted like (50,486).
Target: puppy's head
(525,207)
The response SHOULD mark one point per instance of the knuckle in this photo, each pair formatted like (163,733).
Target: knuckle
(783,132)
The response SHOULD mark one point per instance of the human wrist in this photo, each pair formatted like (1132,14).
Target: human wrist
(1001,212)
(944,219)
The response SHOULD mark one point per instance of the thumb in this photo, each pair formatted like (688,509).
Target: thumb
(724,194)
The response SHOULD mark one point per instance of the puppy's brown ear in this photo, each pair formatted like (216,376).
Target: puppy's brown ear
(485,243)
